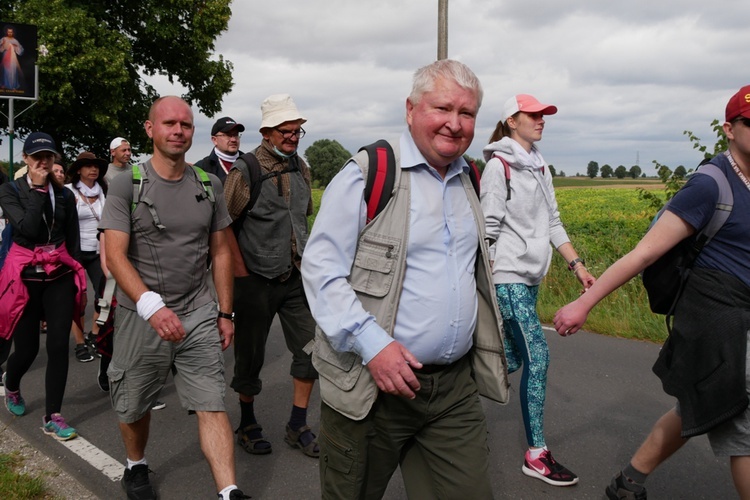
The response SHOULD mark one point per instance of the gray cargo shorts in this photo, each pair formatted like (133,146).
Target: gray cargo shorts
(141,362)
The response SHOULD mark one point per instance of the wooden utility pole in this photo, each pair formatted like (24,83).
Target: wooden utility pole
(442,52)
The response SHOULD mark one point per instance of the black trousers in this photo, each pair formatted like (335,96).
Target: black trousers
(52,301)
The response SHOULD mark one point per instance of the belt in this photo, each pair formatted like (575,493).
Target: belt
(432,369)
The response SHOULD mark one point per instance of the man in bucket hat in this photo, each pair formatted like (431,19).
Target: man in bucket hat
(225,134)
(271,236)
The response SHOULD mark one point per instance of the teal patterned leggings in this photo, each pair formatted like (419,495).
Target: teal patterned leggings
(525,345)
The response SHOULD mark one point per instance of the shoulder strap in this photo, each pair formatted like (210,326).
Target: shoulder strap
(380,179)
(475,176)
(506,167)
(252,175)
(138,176)
(206,182)
(723,208)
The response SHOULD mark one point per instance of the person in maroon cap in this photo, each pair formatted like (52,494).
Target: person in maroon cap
(704,363)
(225,134)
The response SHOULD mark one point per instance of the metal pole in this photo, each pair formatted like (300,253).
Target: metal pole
(11,135)
(442,29)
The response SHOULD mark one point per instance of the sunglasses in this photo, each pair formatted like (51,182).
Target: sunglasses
(745,121)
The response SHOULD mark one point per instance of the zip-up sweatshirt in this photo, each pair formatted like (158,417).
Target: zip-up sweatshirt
(521,229)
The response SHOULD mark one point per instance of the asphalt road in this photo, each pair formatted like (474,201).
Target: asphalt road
(602,400)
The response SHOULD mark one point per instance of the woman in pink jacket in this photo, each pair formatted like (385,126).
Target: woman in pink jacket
(41,279)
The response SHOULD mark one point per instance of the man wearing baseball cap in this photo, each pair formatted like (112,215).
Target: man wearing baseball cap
(705,362)
(271,237)
(225,134)
(119,150)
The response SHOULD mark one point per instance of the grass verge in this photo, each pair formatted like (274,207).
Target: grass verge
(15,485)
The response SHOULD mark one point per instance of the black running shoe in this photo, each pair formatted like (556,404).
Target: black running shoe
(83,354)
(136,484)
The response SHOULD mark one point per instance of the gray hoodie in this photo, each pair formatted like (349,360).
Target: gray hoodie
(523,227)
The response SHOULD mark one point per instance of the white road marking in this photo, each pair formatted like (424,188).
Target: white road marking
(93,455)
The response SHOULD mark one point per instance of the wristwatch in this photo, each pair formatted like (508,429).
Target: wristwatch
(575,261)
(229,316)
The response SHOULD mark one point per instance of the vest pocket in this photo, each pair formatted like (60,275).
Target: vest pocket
(374,266)
(342,369)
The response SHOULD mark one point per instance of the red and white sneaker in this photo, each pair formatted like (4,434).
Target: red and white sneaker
(548,470)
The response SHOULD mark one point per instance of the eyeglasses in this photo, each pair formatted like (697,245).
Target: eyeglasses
(229,136)
(745,121)
(288,134)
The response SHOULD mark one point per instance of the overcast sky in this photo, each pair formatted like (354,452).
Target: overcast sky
(628,77)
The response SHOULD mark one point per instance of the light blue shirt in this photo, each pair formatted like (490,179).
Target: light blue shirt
(438,305)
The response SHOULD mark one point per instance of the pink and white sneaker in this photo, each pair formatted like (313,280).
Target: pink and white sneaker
(548,470)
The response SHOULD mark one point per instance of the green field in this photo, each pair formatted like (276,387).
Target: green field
(603,224)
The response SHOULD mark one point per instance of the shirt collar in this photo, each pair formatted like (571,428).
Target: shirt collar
(411,157)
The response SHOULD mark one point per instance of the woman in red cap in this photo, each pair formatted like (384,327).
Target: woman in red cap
(41,279)
(522,219)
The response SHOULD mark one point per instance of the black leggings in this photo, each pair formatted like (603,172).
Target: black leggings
(52,301)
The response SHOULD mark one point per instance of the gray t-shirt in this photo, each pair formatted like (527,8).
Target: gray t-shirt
(171,261)
(113,171)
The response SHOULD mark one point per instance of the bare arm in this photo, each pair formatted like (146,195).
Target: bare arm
(666,233)
(223,275)
(581,272)
(164,321)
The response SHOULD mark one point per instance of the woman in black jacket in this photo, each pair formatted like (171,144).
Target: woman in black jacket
(44,274)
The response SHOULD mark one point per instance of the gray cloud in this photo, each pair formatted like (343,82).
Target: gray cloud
(628,78)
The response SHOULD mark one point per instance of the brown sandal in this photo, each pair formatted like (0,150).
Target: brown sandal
(251,445)
(292,438)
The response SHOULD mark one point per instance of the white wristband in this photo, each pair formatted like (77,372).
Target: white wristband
(148,304)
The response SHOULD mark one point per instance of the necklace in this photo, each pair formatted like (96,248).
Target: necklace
(737,169)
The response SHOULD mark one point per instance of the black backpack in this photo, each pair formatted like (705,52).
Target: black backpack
(380,180)
(665,279)
(254,176)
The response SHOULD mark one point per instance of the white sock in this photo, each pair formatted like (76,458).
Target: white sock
(132,464)
(534,453)
(224,494)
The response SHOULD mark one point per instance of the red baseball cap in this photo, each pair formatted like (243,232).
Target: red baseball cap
(527,104)
(739,104)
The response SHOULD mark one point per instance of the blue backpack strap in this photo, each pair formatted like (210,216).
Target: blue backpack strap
(381,178)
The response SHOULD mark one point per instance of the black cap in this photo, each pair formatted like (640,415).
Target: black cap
(39,141)
(225,125)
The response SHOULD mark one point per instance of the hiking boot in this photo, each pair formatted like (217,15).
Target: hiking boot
(548,470)
(159,405)
(57,428)
(102,379)
(13,400)
(83,354)
(136,484)
(622,489)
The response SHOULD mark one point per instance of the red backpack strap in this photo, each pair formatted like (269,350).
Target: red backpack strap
(474,175)
(506,167)
(381,175)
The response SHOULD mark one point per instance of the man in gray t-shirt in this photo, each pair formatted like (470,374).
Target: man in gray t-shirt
(167,319)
